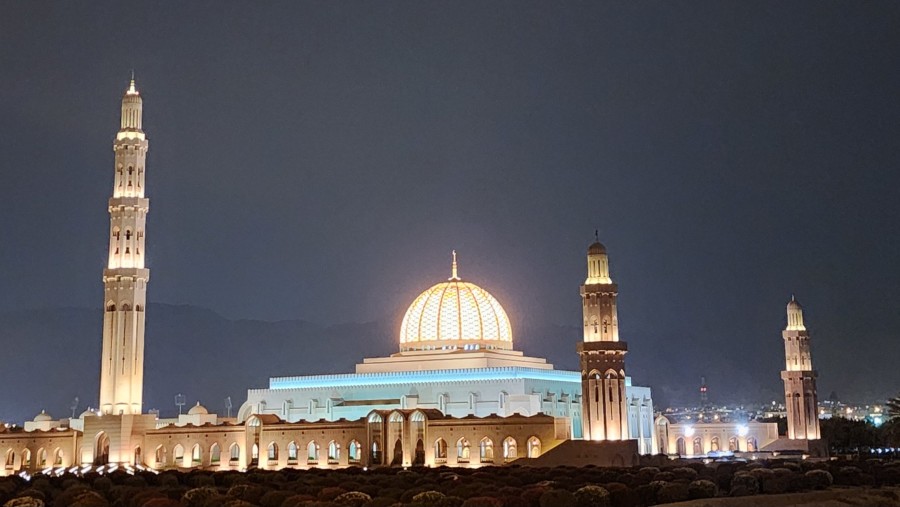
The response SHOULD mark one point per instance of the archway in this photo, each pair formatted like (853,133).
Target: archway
(440,451)
(398,454)
(419,459)
(751,444)
(698,446)
(138,458)
(101,449)
(510,451)
(534,447)
(254,455)
(680,447)
(462,450)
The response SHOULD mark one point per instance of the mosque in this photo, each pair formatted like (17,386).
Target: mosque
(457,392)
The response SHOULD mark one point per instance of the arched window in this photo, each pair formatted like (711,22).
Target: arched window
(440,450)
(486,450)
(160,455)
(510,451)
(234,453)
(126,307)
(751,444)
(196,455)
(26,459)
(698,446)
(733,444)
(215,454)
(714,444)
(254,453)
(58,457)
(41,458)
(292,452)
(680,446)
(312,452)
(534,447)
(462,450)
(273,452)
(354,450)
(10,458)
(178,455)
(334,452)
(110,307)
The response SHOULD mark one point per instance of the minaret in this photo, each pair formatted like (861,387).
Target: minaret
(799,378)
(603,403)
(125,277)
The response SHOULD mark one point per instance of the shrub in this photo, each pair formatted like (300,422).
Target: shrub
(297,501)
(160,502)
(557,498)
(592,496)
(450,501)
(685,473)
(482,501)
(353,499)
(103,484)
(25,501)
(330,493)
(819,479)
(702,489)
(744,484)
(427,498)
(620,494)
(672,492)
(274,498)
(197,497)
(246,492)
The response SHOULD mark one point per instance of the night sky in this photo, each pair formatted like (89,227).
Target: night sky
(319,161)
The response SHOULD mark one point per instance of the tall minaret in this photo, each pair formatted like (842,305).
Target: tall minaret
(603,403)
(799,378)
(125,277)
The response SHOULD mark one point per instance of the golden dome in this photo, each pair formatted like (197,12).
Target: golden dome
(455,315)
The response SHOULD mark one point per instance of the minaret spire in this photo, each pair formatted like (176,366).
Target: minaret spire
(453,267)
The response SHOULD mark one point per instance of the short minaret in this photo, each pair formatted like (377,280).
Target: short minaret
(125,277)
(603,403)
(799,378)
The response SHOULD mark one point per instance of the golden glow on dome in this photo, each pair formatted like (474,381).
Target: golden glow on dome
(455,315)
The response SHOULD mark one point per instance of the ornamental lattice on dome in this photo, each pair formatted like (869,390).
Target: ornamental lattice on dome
(455,315)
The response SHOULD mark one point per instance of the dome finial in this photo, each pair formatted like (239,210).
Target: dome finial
(597,235)
(131,89)
(453,267)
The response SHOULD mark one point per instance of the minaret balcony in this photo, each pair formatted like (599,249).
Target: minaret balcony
(126,273)
(600,288)
(138,203)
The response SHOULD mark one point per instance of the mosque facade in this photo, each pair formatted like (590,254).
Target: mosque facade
(456,393)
